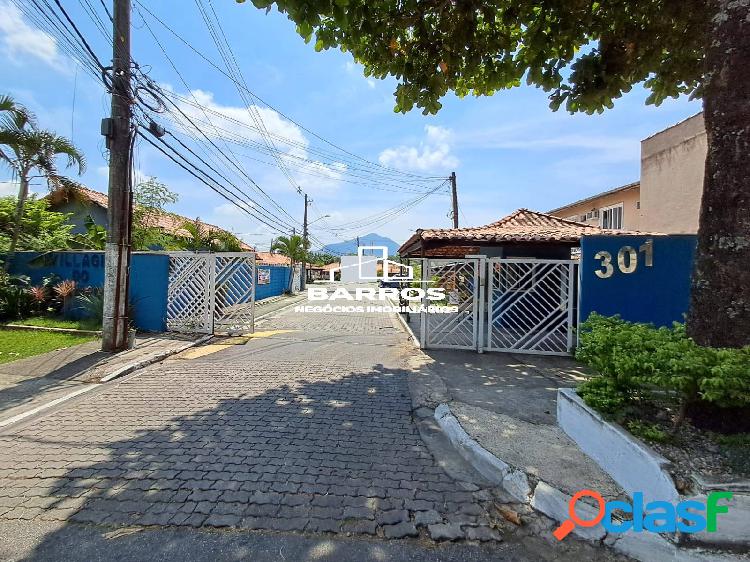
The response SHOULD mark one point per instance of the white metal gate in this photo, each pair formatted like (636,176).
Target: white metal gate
(211,293)
(530,305)
(461,280)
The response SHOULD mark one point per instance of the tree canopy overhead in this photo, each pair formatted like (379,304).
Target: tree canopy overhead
(585,53)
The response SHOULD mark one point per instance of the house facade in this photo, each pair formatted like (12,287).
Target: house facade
(82,203)
(667,198)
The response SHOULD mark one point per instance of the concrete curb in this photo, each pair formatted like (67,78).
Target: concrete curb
(408,329)
(554,503)
(130,367)
(49,329)
(513,481)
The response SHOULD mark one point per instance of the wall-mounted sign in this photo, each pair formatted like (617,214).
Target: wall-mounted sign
(264,276)
(627,259)
(641,278)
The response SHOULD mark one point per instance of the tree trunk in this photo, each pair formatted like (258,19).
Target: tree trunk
(23,193)
(720,302)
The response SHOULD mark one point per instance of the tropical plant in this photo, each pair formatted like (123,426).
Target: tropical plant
(295,248)
(65,290)
(38,296)
(91,302)
(15,300)
(586,55)
(27,151)
(202,237)
(95,237)
(41,230)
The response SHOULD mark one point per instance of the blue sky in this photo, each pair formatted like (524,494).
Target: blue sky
(509,150)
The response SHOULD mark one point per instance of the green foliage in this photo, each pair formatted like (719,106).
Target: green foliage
(638,361)
(41,229)
(95,237)
(293,247)
(648,431)
(15,299)
(151,199)
(91,302)
(321,258)
(202,237)
(586,54)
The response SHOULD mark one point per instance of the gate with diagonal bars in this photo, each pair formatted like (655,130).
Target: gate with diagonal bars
(211,293)
(530,305)
(460,279)
(518,305)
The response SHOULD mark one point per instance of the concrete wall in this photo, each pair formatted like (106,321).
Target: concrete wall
(672,167)
(631,214)
(278,276)
(149,275)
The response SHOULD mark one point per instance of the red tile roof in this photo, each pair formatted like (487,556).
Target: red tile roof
(522,225)
(271,258)
(170,223)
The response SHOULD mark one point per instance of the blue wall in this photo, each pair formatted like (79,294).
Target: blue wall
(279,282)
(149,273)
(149,278)
(659,294)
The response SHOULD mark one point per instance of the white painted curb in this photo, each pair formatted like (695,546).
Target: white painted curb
(488,465)
(632,464)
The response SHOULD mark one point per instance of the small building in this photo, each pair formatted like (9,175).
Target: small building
(82,203)
(668,196)
(272,258)
(522,234)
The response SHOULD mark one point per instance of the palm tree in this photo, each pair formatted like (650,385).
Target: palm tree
(28,150)
(294,247)
(202,237)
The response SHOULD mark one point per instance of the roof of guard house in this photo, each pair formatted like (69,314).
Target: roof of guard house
(522,225)
(170,223)
(271,258)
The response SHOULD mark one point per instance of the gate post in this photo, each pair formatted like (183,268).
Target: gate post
(423,315)
(479,294)
(211,261)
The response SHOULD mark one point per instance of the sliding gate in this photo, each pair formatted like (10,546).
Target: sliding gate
(211,293)
(518,305)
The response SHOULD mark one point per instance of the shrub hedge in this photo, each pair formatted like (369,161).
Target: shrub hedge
(639,362)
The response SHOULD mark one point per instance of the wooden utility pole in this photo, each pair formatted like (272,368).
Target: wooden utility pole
(454,193)
(118,132)
(303,281)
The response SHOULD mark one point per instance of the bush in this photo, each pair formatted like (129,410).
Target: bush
(641,362)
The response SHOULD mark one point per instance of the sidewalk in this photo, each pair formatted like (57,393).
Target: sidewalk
(35,383)
(507,403)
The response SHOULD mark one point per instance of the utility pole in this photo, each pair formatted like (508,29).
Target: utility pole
(454,192)
(119,207)
(303,281)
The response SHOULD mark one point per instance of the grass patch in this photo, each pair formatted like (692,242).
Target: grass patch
(17,344)
(50,322)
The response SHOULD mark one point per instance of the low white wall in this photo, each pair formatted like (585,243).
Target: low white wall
(632,464)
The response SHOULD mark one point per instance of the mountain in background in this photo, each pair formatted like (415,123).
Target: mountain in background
(350,246)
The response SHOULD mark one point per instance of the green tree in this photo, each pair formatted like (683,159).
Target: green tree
(32,153)
(295,248)
(321,258)
(151,198)
(202,237)
(586,54)
(95,237)
(40,229)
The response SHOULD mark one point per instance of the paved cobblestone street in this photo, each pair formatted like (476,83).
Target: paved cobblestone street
(306,429)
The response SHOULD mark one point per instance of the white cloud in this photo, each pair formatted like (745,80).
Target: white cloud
(18,39)
(433,154)
(8,187)
(245,123)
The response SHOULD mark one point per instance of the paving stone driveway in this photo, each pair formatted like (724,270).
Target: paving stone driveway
(307,430)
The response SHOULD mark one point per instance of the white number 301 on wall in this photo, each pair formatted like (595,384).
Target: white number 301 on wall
(627,259)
